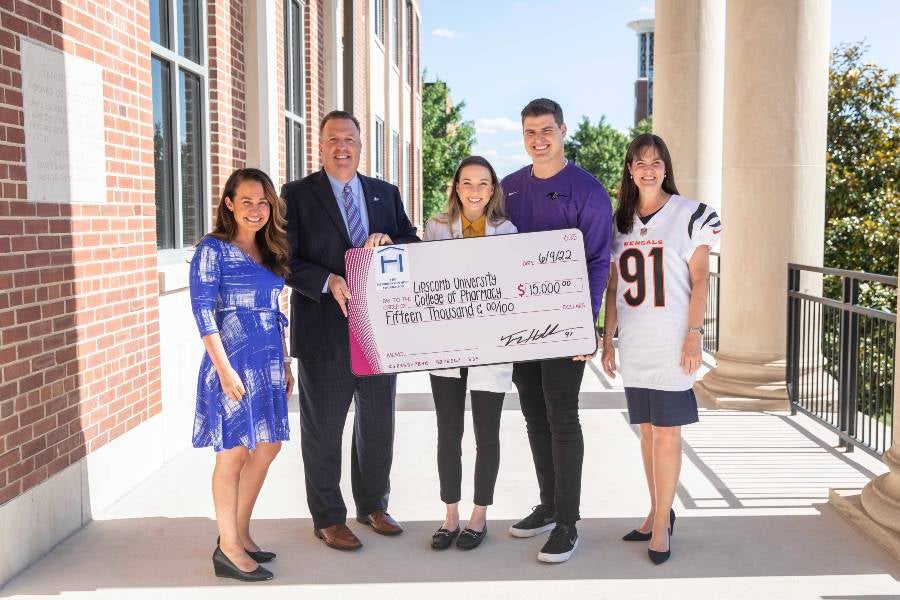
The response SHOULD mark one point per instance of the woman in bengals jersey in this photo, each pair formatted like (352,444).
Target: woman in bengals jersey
(656,297)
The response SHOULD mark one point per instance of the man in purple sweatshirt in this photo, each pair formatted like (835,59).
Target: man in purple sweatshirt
(553,193)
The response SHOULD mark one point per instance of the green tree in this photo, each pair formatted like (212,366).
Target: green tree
(600,150)
(862,199)
(447,139)
(645,125)
(862,204)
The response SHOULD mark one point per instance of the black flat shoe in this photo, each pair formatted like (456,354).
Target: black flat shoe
(442,538)
(470,539)
(223,567)
(658,557)
(260,556)
(639,536)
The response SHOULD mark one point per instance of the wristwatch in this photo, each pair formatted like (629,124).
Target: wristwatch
(699,330)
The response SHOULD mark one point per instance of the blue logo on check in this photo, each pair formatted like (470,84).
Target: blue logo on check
(391,258)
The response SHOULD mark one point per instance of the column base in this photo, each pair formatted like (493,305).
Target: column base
(851,508)
(877,510)
(744,383)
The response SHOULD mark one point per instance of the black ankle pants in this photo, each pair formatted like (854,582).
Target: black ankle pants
(450,406)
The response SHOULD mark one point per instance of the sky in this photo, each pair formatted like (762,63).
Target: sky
(496,55)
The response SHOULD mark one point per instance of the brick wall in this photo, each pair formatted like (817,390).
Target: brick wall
(79,339)
(227,119)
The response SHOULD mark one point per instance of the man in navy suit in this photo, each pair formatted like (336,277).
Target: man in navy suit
(328,212)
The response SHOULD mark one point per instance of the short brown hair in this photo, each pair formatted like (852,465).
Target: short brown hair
(543,106)
(339,114)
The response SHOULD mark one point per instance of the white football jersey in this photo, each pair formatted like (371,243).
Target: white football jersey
(654,289)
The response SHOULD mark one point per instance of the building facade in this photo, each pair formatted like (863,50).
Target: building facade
(120,122)
(643,84)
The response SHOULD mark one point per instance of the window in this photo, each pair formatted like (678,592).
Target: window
(408,38)
(418,53)
(180,133)
(395,32)
(406,190)
(395,158)
(379,148)
(294,76)
(378,18)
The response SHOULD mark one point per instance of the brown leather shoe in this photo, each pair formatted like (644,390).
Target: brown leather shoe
(339,537)
(381,522)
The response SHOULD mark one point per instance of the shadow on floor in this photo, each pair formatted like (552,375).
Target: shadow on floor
(161,553)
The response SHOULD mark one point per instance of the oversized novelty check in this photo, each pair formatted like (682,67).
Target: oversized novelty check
(468,302)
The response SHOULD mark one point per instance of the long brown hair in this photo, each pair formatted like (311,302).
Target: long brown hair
(272,238)
(629,196)
(493,211)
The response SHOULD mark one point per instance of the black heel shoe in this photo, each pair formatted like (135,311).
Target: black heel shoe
(260,556)
(223,567)
(658,557)
(639,536)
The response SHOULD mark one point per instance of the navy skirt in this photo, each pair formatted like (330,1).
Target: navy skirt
(661,408)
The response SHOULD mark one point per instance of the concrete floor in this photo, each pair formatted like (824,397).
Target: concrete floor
(753,522)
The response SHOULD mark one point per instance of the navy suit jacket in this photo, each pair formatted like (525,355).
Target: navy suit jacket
(318,239)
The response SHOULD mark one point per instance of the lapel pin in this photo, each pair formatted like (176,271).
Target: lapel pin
(375,199)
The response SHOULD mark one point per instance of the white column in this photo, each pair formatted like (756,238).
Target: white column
(688,88)
(877,510)
(261,90)
(773,186)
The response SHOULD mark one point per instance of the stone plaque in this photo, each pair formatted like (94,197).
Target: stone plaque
(65,155)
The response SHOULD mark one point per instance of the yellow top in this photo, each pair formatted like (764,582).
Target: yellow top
(472,228)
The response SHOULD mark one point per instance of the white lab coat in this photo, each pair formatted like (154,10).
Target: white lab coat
(489,378)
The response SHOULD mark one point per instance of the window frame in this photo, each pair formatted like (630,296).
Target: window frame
(378,19)
(177,63)
(379,148)
(395,33)
(291,119)
(395,158)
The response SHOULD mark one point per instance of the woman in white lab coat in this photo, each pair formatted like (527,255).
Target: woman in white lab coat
(474,208)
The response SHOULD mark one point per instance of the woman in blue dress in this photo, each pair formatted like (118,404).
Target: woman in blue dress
(236,278)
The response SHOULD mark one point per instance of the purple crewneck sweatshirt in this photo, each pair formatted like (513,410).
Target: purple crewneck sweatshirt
(572,198)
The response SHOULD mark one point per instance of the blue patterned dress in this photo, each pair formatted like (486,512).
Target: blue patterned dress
(233,295)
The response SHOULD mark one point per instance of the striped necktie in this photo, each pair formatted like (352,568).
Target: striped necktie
(354,221)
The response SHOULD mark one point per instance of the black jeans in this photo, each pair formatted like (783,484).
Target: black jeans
(548,393)
(450,406)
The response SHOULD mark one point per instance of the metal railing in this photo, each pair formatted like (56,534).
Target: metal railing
(840,353)
(711,318)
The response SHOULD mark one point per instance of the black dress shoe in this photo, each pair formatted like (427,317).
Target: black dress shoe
(639,536)
(442,538)
(469,539)
(223,567)
(658,557)
(260,556)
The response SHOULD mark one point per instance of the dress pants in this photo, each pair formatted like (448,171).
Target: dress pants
(548,393)
(450,406)
(326,390)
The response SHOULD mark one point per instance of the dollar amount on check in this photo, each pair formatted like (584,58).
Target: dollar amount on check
(468,302)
